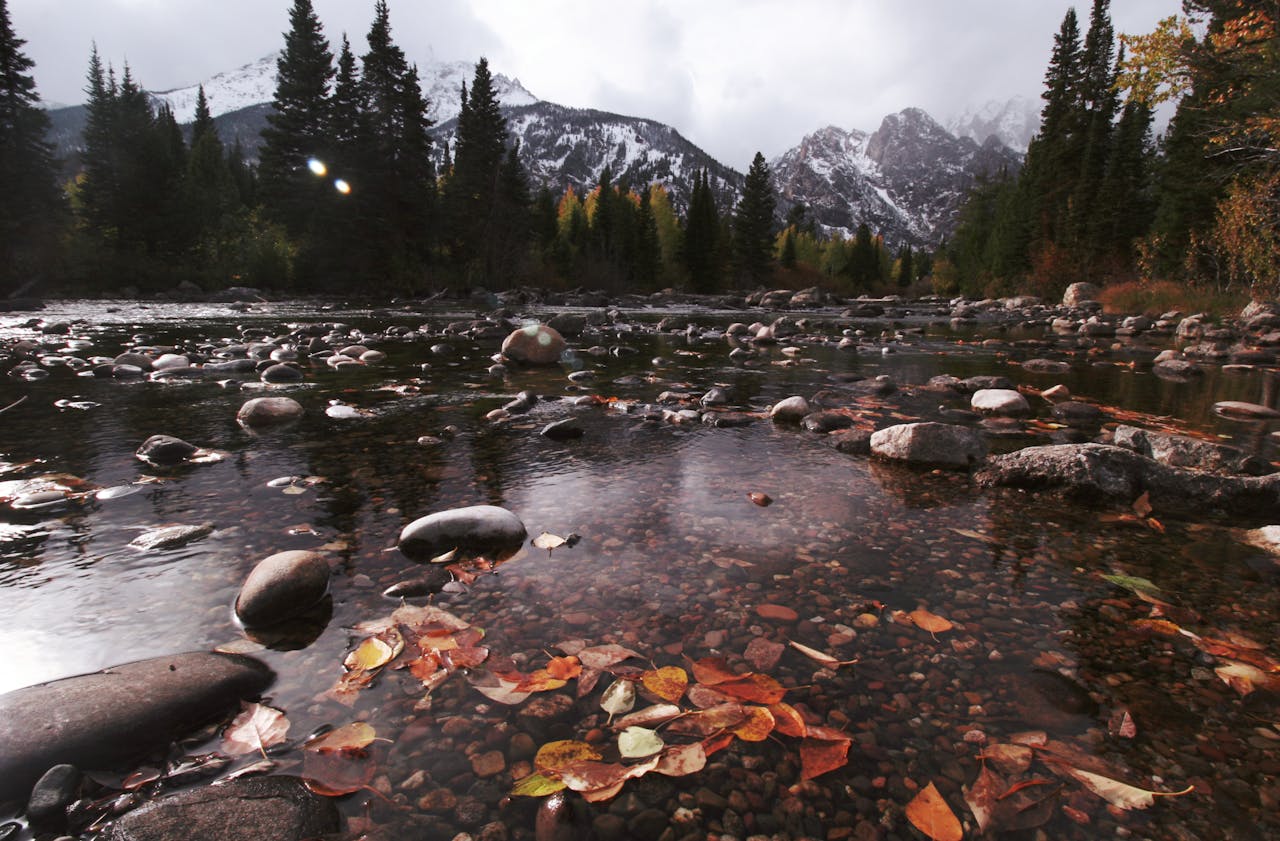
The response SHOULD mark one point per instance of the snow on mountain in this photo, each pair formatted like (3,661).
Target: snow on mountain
(1014,121)
(255,84)
(906,180)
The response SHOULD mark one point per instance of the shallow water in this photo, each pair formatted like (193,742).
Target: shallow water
(674,560)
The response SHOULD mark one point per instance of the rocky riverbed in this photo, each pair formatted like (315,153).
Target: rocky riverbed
(900,567)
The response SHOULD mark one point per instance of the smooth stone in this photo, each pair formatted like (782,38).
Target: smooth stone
(1045,366)
(999,401)
(251,809)
(170,537)
(281,373)
(165,450)
(563,430)
(1175,369)
(930,444)
(476,528)
(826,421)
(1073,411)
(536,344)
(134,360)
(715,396)
(52,794)
(266,411)
(1249,411)
(790,410)
(282,586)
(1080,293)
(111,718)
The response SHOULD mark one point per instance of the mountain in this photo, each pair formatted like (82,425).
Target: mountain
(1014,122)
(562,147)
(906,180)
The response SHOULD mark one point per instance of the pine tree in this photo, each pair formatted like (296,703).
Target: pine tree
(297,128)
(702,237)
(97,184)
(1097,108)
(209,190)
(1053,158)
(864,266)
(30,203)
(753,225)
(478,152)
(648,253)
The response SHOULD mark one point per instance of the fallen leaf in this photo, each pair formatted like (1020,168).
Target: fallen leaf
(587,776)
(757,727)
(553,756)
(372,653)
(564,668)
(649,716)
(761,499)
(445,557)
(926,621)
(763,654)
(818,756)
(1133,584)
(1009,758)
(712,671)
(681,760)
(548,541)
(981,797)
(1142,505)
(619,698)
(820,657)
(710,721)
(335,773)
(354,736)
(1122,725)
(977,535)
(1121,795)
(638,742)
(255,729)
(788,721)
(714,744)
(929,813)
(539,681)
(497,689)
(668,682)
(754,688)
(604,656)
(1243,678)
(537,785)
(703,697)
(1162,627)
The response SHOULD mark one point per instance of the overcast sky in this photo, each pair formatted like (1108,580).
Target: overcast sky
(733,76)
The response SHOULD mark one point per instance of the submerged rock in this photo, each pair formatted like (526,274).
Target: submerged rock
(1188,452)
(279,808)
(476,528)
(536,344)
(108,719)
(170,537)
(282,586)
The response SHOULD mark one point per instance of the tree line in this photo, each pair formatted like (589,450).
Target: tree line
(1099,199)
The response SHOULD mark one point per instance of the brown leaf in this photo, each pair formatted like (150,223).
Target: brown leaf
(255,729)
(604,656)
(587,776)
(981,797)
(818,756)
(929,813)
(1121,724)
(668,683)
(681,760)
(709,721)
(763,654)
(335,773)
(754,688)
(788,721)
(1142,505)
(703,697)
(649,716)
(712,671)
(761,499)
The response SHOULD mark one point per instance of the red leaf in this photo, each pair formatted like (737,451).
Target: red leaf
(818,756)
(754,688)
(787,721)
(712,671)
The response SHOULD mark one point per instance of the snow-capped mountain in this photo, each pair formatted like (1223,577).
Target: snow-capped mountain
(255,84)
(906,180)
(1014,121)
(562,147)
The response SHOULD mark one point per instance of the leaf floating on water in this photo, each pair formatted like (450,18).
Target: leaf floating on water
(1243,678)
(255,729)
(1009,758)
(604,656)
(294,490)
(564,668)
(1122,725)
(1121,795)
(668,683)
(709,722)
(371,654)
(930,622)
(649,716)
(537,785)
(548,541)
(349,737)
(821,657)
(619,698)
(639,742)
(335,773)
(555,756)
(761,499)
(754,688)
(929,813)
(1133,583)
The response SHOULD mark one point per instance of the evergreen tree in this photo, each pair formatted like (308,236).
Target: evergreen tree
(346,109)
(906,267)
(97,184)
(203,122)
(702,237)
(753,225)
(30,203)
(209,188)
(648,252)
(478,153)
(297,128)
(788,251)
(1097,112)
(864,262)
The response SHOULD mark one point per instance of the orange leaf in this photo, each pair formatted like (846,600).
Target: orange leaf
(777,612)
(712,671)
(335,773)
(554,756)
(757,727)
(787,721)
(1142,505)
(668,683)
(818,756)
(714,744)
(539,681)
(930,622)
(930,814)
(564,668)
(755,688)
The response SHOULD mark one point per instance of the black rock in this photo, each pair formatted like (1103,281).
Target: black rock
(166,450)
(52,794)
(563,430)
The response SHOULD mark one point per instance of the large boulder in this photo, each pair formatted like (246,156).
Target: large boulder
(282,586)
(930,445)
(1102,472)
(474,529)
(269,411)
(1005,402)
(789,410)
(1188,452)
(249,809)
(111,718)
(535,344)
(1080,293)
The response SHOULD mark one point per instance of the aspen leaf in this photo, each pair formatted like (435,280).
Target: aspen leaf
(604,656)
(638,742)
(649,716)
(537,785)
(619,698)
(754,688)
(335,773)
(929,813)
(564,668)
(1009,758)
(1121,795)
(710,721)
(818,756)
(1242,677)
(788,721)
(445,557)
(554,756)
(548,541)
(926,621)
(981,797)
(820,657)
(255,729)
(703,697)
(372,653)
(712,671)
(1142,505)
(1121,724)
(757,727)
(668,683)
(539,681)
(682,760)
(354,736)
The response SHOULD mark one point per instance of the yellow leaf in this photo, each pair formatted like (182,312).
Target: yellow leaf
(537,785)
(548,541)
(930,814)
(353,736)
(371,654)
(668,683)
(553,756)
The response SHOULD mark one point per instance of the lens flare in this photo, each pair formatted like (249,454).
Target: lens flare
(317,167)
(342,187)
